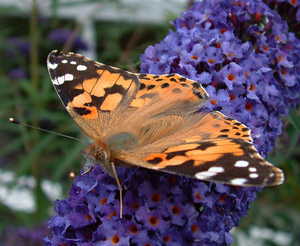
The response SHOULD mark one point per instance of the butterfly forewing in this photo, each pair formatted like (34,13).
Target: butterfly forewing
(96,95)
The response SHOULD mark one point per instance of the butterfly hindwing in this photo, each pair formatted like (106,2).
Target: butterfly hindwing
(169,86)
(213,148)
(230,161)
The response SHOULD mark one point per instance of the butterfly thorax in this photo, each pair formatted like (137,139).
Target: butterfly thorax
(104,151)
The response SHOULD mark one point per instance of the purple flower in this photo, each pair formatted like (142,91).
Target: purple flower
(16,74)
(159,209)
(17,46)
(61,36)
(213,56)
(232,74)
(24,236)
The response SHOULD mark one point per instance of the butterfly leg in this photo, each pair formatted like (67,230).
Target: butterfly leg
(119,186)
(87,171)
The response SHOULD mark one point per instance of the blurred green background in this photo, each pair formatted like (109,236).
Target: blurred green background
(35,166)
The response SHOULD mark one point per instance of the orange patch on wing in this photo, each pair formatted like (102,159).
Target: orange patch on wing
(192,139)
(201,156)
(226,146)
(78,86)
(124,82)
(100,71)
(155,156)
(111,102)
(107,79)
(114,77)
(175,161)
(89,84)
(81,99)
(98,89)
(182,147)
(139,103)
(79,102)
(92,115)
(213,153)
(175,87)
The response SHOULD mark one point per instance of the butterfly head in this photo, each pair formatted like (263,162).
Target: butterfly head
(98,153)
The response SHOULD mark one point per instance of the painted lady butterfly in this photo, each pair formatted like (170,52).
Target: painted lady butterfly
(150,121)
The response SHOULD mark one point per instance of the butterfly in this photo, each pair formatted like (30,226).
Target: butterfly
(152,121)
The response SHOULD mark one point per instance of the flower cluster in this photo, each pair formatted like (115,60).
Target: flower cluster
(16,45)
(158,210)
(244,55)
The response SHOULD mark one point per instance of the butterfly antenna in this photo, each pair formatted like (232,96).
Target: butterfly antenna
(12,120)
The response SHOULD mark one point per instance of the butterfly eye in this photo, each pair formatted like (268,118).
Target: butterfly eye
(121,140)
(88,155)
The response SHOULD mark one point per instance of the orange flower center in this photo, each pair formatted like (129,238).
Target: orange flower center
(198,195)
(103,201)
(230,77)
(133,229)
(266,48)
(166,239)
(88,217)
(153,221)
(232,97)
(135,205)
(175,210)
(194,228)
(211,61)
(115,239)
(155,197)
(249,106)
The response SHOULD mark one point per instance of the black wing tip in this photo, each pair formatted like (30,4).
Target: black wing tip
(54,54)
(278,179)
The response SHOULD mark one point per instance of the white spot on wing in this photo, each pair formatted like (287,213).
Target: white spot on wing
(55,82)
(52,66)
(253,175)
(204,175)
(238,181)
(81,67)
(69,77)
(216,169)
(64,61)
(252,169)
(241,164)
(209,173)
(73,62)
(61,80)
